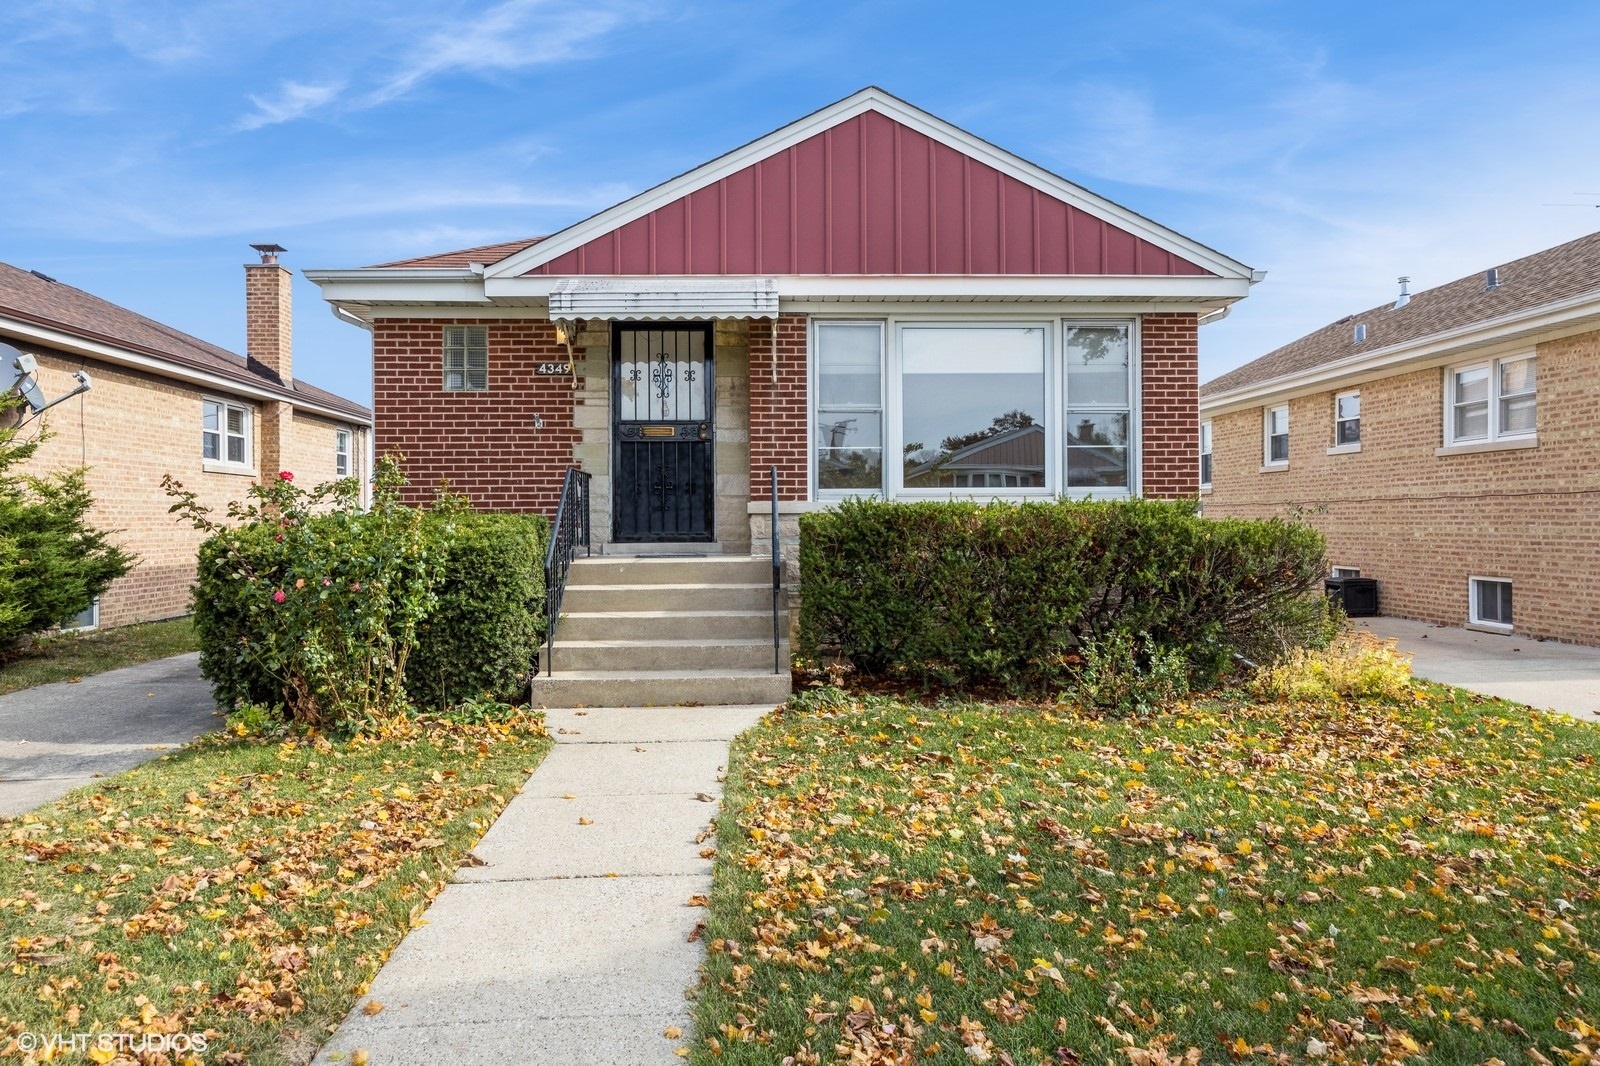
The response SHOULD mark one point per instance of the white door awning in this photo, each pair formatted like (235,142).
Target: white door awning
(664,298)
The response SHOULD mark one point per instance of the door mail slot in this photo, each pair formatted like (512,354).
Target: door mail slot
(658,431)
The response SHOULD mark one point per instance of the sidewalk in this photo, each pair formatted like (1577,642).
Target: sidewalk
(570,946)
(56,737)
(1543,674)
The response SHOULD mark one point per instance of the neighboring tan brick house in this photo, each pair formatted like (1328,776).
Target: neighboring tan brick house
(162,402)
(858,299)
(1447,445)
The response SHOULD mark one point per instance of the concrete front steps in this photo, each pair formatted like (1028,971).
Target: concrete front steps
(659,630)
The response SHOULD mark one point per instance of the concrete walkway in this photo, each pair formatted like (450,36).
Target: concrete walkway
(1543,674)
(570,946)
(54,738)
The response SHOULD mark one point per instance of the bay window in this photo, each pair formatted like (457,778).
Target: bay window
(926,408)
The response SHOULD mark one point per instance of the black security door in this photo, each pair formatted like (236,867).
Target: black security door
(664,487)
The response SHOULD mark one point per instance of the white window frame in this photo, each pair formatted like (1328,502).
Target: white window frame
(93,611)
(458,341)
(1207,461)
(1267,461)
(1339,447)
(1493,433)
(1344,571)
(814,406)
(342,452)
(222,464)
(1492,624)
(1055,406)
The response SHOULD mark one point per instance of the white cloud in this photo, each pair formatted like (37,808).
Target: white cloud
(293,100)
(513,35)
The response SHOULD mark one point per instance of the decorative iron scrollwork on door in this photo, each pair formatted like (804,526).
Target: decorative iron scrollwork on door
(662,488)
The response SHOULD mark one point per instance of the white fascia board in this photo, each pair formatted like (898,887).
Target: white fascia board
(75,345)
(940,286)
(373,286)
(869,99)
(1577,315)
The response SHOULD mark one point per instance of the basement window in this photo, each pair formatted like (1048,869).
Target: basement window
(85,620)
(1490,602)
(466,359)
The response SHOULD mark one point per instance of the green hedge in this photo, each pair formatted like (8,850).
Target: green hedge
(483,637)
(1010,594)
(481,575)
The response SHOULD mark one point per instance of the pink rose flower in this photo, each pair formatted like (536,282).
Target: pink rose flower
(278,597)
(284,475)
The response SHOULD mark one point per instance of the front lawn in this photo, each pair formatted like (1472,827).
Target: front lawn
(74,655)
(974,883)
(242,889)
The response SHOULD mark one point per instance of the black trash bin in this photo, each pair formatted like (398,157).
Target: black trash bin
(1357,595)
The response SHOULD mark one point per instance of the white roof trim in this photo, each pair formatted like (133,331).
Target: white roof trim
(1573,315)
(62,341)
(868,99)
(663,298)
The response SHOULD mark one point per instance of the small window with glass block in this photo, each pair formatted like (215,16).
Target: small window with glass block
(466,359)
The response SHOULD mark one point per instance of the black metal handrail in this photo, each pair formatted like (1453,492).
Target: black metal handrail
(777,572)
(571,528)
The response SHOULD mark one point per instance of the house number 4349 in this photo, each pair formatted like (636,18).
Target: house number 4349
(550,369)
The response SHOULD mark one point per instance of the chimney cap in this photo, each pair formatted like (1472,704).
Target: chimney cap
(269,252)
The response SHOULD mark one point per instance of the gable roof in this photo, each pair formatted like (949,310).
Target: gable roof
(30,298)
(1545,279)
(869,100)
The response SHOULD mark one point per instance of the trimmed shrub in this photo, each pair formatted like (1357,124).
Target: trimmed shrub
(482,638)
(967,594)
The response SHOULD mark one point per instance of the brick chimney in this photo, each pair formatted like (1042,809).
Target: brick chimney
(268,314)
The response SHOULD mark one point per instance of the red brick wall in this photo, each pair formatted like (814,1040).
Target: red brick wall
(485,444)
(1169,353)
(778,412)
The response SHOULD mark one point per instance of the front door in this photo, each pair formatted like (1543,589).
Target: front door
(665,488)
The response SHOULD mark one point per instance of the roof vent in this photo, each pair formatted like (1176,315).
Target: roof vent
(42,277)
(1491,279)
(1360,332)
(1404,297)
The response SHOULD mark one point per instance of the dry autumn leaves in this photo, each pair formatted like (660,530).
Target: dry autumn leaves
(1374,882)
(242,889)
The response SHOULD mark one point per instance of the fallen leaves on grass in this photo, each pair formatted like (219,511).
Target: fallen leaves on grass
(238,885)
(1375,882)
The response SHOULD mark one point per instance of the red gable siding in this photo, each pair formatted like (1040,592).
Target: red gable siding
(868,196)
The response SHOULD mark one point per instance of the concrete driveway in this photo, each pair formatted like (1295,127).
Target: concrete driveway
(1544,674)
(54,738)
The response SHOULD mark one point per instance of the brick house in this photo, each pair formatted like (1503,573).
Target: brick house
(859,299)
(1447,444)
(162,402)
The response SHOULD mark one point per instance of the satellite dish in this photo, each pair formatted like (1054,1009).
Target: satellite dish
(18,373)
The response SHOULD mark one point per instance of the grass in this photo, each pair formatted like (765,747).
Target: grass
(242,888)
(1374,881)
(72,655)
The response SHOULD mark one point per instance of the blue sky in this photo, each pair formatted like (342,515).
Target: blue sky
(144,144)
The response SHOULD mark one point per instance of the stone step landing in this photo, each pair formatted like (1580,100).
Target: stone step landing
(661,630)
